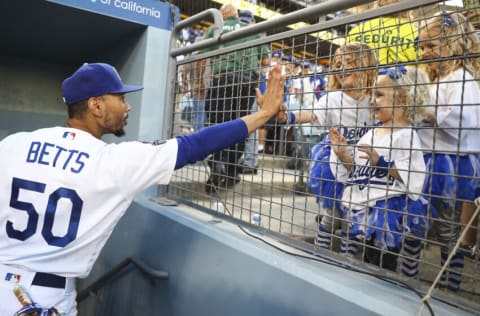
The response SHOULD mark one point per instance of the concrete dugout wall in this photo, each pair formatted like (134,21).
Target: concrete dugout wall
(216,269)
(42,43)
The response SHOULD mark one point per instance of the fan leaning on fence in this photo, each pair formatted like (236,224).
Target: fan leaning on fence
(451,144)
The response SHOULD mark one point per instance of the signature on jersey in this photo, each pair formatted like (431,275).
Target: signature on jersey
(56,156)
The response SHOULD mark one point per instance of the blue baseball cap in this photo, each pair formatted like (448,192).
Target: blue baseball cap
(93,80)
(245,16)
(277,53)
(290,58)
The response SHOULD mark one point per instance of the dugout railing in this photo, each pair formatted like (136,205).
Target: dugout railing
(268,199)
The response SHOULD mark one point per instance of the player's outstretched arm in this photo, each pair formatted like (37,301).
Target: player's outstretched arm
(200,144)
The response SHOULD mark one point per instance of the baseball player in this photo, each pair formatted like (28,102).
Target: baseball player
(63,189)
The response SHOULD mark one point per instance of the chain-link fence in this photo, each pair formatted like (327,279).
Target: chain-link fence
(376,157)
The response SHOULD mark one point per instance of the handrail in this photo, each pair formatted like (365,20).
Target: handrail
(292,17)
(217,31)
(101,281)
(295,16)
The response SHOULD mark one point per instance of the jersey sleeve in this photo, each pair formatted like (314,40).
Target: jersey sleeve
(409,161)
(137,166)
(297,84)
(325,116)
(451,115)
(338,168)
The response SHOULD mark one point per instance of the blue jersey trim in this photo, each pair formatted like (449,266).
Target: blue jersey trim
(200,144)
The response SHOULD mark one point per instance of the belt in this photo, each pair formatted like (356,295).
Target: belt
(49,280)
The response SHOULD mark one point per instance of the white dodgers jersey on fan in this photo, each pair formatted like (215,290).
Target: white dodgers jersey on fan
(352,117)
(63,191)
(366,184)
(457,128)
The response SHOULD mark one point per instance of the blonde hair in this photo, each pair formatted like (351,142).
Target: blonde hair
(363,57)
(458,35)
(411,91)
(228,10)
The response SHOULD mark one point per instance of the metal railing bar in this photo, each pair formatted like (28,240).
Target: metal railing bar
(101,281)
(290,18)
(266,25)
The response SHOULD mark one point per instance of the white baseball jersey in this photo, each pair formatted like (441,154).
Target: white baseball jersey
(339,110)
(457,97)
(64,190)
(366,184)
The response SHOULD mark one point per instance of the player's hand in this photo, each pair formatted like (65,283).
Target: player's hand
(369,153)
(272,100)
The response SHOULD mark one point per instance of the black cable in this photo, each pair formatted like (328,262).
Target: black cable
(335,263)
(315,257)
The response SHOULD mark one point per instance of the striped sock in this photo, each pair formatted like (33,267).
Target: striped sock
(410,257)
(348,244)
(323,238)
(452,277)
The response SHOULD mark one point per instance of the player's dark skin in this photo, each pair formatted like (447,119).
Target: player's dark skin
(105,114)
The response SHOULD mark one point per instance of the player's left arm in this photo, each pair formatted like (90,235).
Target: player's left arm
(198,145)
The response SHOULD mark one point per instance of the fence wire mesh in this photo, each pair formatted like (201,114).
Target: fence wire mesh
(377,156)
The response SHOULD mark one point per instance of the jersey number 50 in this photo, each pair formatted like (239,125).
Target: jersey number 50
(32,223)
